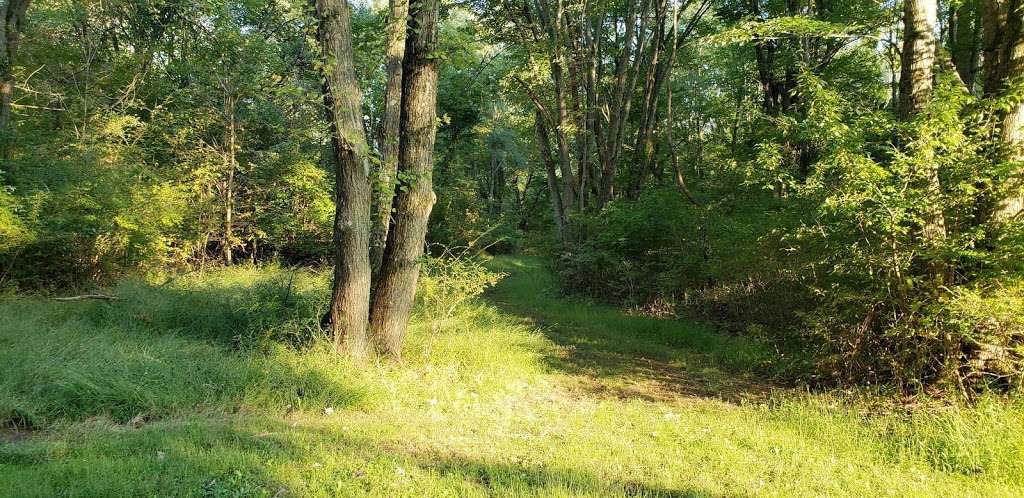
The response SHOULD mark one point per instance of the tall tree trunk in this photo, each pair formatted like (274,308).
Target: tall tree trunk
(643,147)
(633,43)
(918,56)
(561,134)
(396,288)
(965,41)
(591,82)
(12,16)
(1004,74)
(229,184)
(350,296)
(544,147)
(385,191)
(764,55)
(578,95)
(916,82)
(553,24)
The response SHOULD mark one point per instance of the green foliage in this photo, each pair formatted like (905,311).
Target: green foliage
(86,211)
(12,230)
(451,281)
(817,214)
(884,319)
(128,168)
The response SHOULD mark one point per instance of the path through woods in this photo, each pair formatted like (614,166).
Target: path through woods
(605,352)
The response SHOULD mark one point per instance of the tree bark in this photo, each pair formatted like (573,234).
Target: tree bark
(643,146)
(1004,66)
(918,56)
(12,15)
(591,84)
(385,191)
(229,184)
(343,102)
(916,82)
(544,147)
(553,24)
(396,288)
(965,41)
(617,108)
(561,135)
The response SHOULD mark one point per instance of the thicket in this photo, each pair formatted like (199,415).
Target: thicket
(837,267)
(877,241)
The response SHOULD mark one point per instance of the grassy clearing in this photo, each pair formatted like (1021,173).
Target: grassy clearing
(216,385)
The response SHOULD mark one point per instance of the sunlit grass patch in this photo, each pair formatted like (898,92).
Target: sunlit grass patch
(218,385)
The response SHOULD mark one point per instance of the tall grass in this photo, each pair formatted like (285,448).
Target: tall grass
(225,341)
(220,384)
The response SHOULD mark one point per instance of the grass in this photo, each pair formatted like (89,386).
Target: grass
(219,385)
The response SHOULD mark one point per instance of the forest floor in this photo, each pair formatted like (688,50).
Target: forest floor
(524,393)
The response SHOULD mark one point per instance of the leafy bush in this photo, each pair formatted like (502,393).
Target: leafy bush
(662,255)
(899,305)
(450,281)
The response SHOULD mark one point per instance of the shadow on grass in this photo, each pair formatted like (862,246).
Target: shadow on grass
(197,457)
(612,354)
(273,458)
(504,479)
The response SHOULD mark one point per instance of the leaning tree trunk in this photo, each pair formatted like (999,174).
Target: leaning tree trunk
(396,287)
(343,101)
(385,191)
(1003,28)
(12,17)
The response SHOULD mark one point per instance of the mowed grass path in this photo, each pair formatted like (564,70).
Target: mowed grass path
(521,394)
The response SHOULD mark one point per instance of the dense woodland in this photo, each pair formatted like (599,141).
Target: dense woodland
(841,180)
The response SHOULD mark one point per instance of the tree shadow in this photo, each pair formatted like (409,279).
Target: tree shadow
(273,458)
(611,354)
(505,479)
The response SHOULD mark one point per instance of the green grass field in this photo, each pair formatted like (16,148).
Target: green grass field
(217,385)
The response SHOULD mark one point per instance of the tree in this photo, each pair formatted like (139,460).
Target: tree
(1003,39)
(916,82)
(964,41)
(389,141)
(918,55)
(12,18)
(343,102)
(396,288)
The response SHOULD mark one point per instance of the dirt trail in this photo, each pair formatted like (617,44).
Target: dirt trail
(609,353)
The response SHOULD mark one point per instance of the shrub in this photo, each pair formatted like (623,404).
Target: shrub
(450,281)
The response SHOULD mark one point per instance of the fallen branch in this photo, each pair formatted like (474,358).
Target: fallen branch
(86,297)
